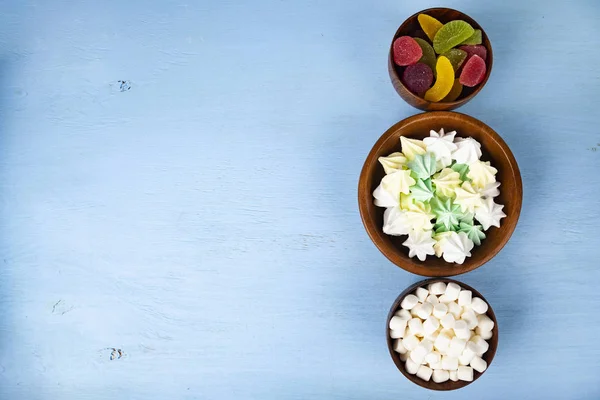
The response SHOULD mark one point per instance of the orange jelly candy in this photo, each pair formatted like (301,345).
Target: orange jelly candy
(444,81)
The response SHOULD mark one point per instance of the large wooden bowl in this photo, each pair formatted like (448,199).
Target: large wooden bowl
(408,28)
(448,385)
(494,149)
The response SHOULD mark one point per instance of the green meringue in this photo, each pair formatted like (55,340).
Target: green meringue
(422,191)
(447,213)
(474,232)
(423,165)
(462,169)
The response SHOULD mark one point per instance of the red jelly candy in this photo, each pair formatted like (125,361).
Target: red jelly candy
(417,78)
(406,51)
(478,49)
(473,72)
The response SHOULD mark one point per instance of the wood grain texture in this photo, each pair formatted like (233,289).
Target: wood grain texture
(493,149)
(205,221)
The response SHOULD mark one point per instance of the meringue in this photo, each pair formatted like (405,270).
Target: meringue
(473,232)
(489,213)
(420,244)
(456,247)
(440,238)
(412,147)
(393,162)
(467,198)
(447,181)
(462,169)
(468,150)
(395,222)
(422,191)
(490,190)
(481,173)
(441,145)
(447,214)
(423,165)
(391,186)
(419,216)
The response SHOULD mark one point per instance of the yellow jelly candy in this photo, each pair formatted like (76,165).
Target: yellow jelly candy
(429,25)
(454,92)
(444,81)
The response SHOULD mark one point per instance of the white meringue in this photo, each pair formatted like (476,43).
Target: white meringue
(481,173)
(467,198)
(393,162)
(489,213)
(387,194)
(395,222)
(490,190)
(468,150)
(441,145)
(420,244)
(456,247)
(412,147)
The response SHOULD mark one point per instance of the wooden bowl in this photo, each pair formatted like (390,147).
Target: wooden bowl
(493,149)
(408,28)
(448,385)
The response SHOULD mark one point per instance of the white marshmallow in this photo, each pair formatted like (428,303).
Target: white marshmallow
(431,325)
(445,299)
(478,364)
(440,375)
(399,347)
(409,302)
(411,366)
(421,294)
(403,357)
(461,330)
(424,310)
(470,318)
(436,365)
(442,343)
(433,299)
(397,334)
(447,321)
(449,363)
(439,310)
(433,358)
(414,312)
(410,342)
(454,376)
(437,288)
(404,314)
(464,298)
(448,332)
(455,309)
(482,345)
(485,323)
(456,347)
(487,335)
(398,323)
(424,373)
(452,291)
(479,306)
(465,373)
(418,354)
(431,337)
(468,353)
(416,327)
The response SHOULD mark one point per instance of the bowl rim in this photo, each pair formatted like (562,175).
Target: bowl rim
(365,196)
(450,104)
(400,364)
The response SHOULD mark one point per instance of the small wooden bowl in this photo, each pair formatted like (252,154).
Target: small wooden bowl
(408,28)
(448,385)
(494,149)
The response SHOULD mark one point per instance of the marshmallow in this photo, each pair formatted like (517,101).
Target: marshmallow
(397,334)
(484,323)
(454,309)
(440,375)
(418,354)
(456,347)
(433,299)
(411,366)
(403,314)
(416,327)
(439,310)
(449,363)
(468,353)
(409,302)
(433,358)
(431,325)
(445,299)
(461,330)
(447,321)
(403,357)
(424,372)
(465,373)
(414,312)
(453,376)
(442,343)
(482,345)
(437,288)
(479,306)
(398,323)
(431,337)
(422,294)
(452,291)
(478,364)
(464,298)
(470,318)
(410,342)
(424,310)
(399,347)
(448,332)
(487,335)
(437,365)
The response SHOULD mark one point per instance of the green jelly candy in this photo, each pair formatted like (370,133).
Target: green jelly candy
(457,57)
(451,35)
(428,57)
(476,38)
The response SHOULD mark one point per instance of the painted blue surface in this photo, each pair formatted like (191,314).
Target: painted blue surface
(204,221)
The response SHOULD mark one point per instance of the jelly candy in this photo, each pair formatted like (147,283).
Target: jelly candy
(480,50)
(444,81)
(451,35)
(417,78)
(428,57)
(457,57)
(474,71)
(455,92)
(429,25)
(406,51)
(476,38)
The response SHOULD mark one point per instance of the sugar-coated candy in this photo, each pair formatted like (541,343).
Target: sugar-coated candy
(464,298)
(465,373)
(417,78)
(473,72)
(478,305)
(421,294)
(457,57)
(451,35)
(428,58)
(454,93)
(406,51)
(440,375)
(443,82)
(399,347)
(411,366)
(476,38)
(409,302)
(437,288)
(429,25)
(478,364)
(424,372)
(479,50)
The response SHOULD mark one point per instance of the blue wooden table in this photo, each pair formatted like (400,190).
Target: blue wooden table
(178,199)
